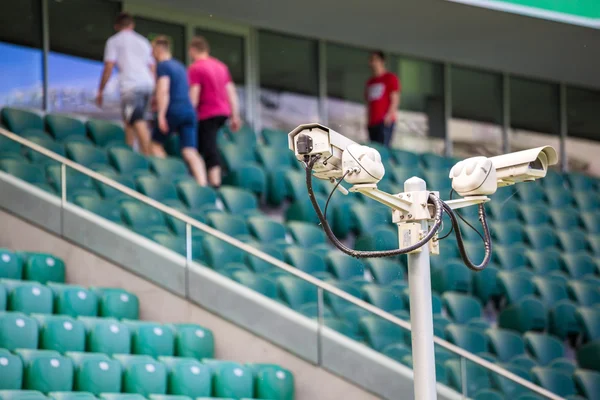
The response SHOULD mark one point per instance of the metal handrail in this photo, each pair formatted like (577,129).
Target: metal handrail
(271,260)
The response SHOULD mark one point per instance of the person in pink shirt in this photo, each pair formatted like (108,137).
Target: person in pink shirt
(214,97)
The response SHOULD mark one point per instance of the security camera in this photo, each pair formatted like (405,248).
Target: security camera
(362,164)
(313,139)
(478,176)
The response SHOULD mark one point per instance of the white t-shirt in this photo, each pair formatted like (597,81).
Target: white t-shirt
(132,54)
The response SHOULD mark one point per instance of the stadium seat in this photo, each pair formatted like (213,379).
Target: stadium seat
(566,218)
(195,196)
(111,193)
(106,209)
(274,382)
(541,237)
(555,381)
(169,168)
(378,239)
(60,333)
(367,216)
(587,383)
(584,293)
(591,221)
(230,224)
(11,265)
(267,230)
(18,331)
(581,182)
(526,315)
(543,348)
(588,356)
(534,214)
(560,198)
(544,261)
(128,162)
(379,333)
(219,253)
(258,265)
(140,217)
(188,377)
(485,284)
(77,183)
(46,371)
(531,193)
(122,396)
(549,290)
(505,344)
(385,271)
(434,161)
(18,120)
(117,303)
(158,189)
(29,297)
(305,234)
(24,171)
(295,292)
(343,266)
(514,287)
(462,308)
(488,394)
(589,320)
(305,260)
(579,265)
(387,299)
(11,371)
(453,275)
(238,201)
(277,164)
(142,375)
(504,210)
(561,319)
(477,377)
(86,155)
(43,268)
(151,339)
(107,335)
(507,233)
(71,396)
(573,241)
(193,341)
(49,144)
(467,338)
(95,373)
(508,387)
(397,351)
(233,380)
(62,127)
(106,133)
(403,157)
(275,138)
(403,172)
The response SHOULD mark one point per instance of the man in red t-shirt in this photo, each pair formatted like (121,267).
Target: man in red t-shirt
(382,93)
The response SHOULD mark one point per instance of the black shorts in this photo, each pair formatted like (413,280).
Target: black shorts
(135,105)
(208,130)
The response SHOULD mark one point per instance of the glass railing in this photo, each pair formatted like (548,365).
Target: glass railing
(328,303)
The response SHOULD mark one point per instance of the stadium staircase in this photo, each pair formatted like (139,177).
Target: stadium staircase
(535,311)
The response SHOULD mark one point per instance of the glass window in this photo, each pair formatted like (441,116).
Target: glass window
(289,80)
(228,48)
(21,22)
(476,95)
(151,28)
(583,113)
(534,106)
(422,83)
(81,27)
(21,77)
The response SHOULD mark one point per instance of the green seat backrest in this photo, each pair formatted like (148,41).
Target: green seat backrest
(305,260)
(233,380)
(550,291)
(387,299)
(588,383)
(514,287)
(11,371)
(385,271)
(296,292)
(61,333)
(462,307)
(260,266)
(554,380)
(18,331)
(157,189)
(170,167)
(434,161)
(235,156)
(194,341)
(452,276)
(256,282)
(306,234)
(343,266)
(61,126)
(106,335)
(275,383)
(508,387)
(118,303)
(535,215)
(275,138)
(74,301)
(403,157)
(196,196)
(219,254)
(86,155)
(485,284)
(71,396)
(541,237)
(46,371)
(467,338)
(505,344)
(17,120)
(151,339)
(528,314)
(107,209)
(75,179)
(96,373)
(121,396)
(141,216)
(30,297)
(589,320)
(169,397)
(188,377)
(40,159)
(11,265)
(21,395)
(266,230)
(584,293)
(561,319)
(544,348)
(44,268)
(244,137)
(379,333)
(143,375)
(477,377)
(104,133)
(580,264)
(22,170)
(233,225)
(127,161)
(238,201)
(544,261)
(109,192)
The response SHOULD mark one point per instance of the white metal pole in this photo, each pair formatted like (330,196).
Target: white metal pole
(421,314)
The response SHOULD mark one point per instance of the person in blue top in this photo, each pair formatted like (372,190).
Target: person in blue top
(175,113)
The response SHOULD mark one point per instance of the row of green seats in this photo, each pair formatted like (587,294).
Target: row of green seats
(35,395)
(48,371)
(35,298)
(31,266)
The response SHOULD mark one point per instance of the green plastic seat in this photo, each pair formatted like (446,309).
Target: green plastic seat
(230,224)
(142,375)
(106,209)
(195,196)
(488,394)
(21,395)
(587,383)
(86,155)
(306,234)
(151,339)
(157,189)
(514,287)
(295,292)
(46,371)
(477,377)
(105,133)
(128,162)
(95,373)
(343,266)
(77,183)
(171,397)
(507,233)
(387,299)
(218,253)
(543,348)
(573,241)
(397,351)
(462,308)
(589,320)
(368,216)
(71,396)
(579,265)
(49,144)
(249,177)
(403,157)
(117,303)
(3,298)
(171,242)
(584,293)
(452,276)
(545,261)
(188,377)
(11,265)
(24,171)
(193,341)
(261,284)
(508,387)
(302,210)
(61,333)
(62,127)
(561,319)
(337,304)
(274,382)
(505,344)
(275,138)
(563,364)
(485,284)
(469,339)
(504,211)
(29,297)
(379,333)
(305,260)
(588,355)
(11,371)
(18,331)
(581,182)
(107,335)
(233,380)
(438,180)
(140,216)
(541,237)
(566,218)
(378,239)
(550,291)
(526,315)
(560,198)
(435,161)
(532,192)
(535,215)
(555,381)
(74,301)
(121,396)
(267,230)
(44,268)
(170,168)
(277,165)
(238,201)
(385,271)
(18,120)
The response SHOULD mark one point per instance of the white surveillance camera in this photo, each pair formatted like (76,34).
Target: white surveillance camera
(479,176)
(313,139)
(363,164)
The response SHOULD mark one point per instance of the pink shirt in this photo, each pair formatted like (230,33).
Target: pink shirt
(212,76)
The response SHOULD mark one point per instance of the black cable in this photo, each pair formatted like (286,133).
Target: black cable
(438,204)
(465,221)
(333,191)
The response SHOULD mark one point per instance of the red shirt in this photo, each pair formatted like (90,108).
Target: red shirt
(212,76)
(378,94)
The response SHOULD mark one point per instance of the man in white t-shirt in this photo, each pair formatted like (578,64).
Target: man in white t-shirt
(131,53)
